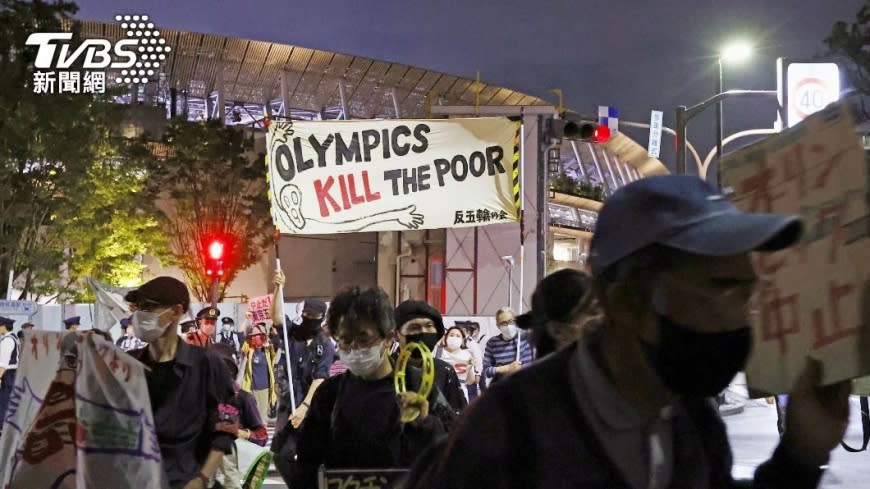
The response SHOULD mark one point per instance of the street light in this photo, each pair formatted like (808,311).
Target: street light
(735,52)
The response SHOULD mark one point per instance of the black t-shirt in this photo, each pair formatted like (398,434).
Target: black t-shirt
(367,419)
(162,380)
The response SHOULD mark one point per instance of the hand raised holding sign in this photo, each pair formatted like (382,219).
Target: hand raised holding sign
(817,416)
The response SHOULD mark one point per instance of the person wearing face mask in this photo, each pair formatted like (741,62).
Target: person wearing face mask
(417,321)
(631,403)
(507,352)
(311,354)
(228,335)
(453,349)
(206,323)
(258,373)
(186,385)
(354,421)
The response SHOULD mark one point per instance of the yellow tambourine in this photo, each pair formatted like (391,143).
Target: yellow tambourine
(411,413)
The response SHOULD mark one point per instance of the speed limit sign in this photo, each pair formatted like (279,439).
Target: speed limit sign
(809,88)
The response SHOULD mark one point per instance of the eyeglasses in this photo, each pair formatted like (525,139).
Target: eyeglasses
(359,343)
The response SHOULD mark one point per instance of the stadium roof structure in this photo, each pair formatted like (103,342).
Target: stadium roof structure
(249,76)
(252,79)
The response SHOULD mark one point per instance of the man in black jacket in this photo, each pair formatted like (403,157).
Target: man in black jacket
(354,419)
(629,405)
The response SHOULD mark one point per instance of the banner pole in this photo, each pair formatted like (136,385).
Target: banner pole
(280,311)
(522,212)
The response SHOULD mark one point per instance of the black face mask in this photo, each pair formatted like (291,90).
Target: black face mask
(697,364)
(428,339)
(307,329)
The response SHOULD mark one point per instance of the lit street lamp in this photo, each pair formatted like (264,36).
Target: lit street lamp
(735,52)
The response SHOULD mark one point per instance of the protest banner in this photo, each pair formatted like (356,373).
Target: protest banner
(260,309)
(116,439)
(81,418)
(812,300)
(392,175)
(38,358)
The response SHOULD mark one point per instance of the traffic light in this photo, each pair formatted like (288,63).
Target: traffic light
(214,258)
(571,126)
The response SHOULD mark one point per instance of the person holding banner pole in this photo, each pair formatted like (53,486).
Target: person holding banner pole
(308,353)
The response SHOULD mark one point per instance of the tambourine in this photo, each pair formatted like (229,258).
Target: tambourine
(409,414)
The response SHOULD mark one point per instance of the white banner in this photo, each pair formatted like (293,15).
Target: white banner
(86,426)
(331,177)
(38,359)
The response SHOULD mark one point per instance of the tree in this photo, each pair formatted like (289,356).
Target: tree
(210,186)
(66,204)
(852,43)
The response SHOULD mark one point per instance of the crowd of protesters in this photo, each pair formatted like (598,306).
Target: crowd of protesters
(605,382)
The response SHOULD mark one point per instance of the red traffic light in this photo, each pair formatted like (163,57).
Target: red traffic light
(216,250)
(602,134)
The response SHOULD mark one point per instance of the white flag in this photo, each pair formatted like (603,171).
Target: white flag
(110,305)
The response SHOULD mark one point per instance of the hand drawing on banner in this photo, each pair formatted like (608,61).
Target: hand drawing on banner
(290,203)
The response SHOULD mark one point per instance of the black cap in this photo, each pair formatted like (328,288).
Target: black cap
(4,321)
(209,313)
(409,310)
(314,306)
(227,320)
(685,213)
(161,291)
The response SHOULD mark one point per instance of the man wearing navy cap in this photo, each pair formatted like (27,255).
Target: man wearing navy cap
(72,324)
(9,350)
(630,404)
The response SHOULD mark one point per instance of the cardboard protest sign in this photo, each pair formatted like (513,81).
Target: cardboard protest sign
(392,175)
(260,309)
(813,299)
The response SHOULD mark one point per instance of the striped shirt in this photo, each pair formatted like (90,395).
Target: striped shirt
(500,351)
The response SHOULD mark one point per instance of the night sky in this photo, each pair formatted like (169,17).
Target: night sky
(635,54)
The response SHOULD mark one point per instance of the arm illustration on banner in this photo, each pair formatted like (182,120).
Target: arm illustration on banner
(290,205)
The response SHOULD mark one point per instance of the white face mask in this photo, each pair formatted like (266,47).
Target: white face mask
(508,330)
(454,343)
(364,362)
(147,327)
